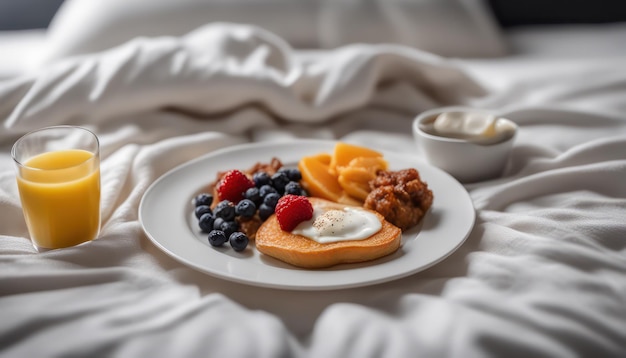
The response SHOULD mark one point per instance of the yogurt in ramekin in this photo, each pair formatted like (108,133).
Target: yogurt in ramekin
(470,144)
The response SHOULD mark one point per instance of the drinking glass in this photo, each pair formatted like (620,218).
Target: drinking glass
(58,177)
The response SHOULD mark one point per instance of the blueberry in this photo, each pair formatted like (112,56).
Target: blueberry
(229,227)
(203,199)
(223,203)
(267,189)
(293,188)
(279,180)
(225,209)
(271,200)
(292,173)
(201,210)
(217,223)
(217,238)
(238,241)
(261,178)
(245,208)
(253,194)
(265,212)
(206,222)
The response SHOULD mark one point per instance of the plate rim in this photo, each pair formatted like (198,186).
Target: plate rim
(239,148)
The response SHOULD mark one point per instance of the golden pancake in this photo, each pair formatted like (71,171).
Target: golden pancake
(303,252)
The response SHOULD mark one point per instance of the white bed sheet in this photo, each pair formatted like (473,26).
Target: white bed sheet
(20,51)
(542,273)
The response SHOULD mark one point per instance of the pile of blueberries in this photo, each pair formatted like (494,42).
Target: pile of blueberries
(222,222)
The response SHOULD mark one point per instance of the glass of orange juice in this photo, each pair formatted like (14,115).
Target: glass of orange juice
(58,177)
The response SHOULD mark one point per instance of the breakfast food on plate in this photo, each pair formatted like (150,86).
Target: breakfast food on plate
(233,185)
(237,202)
(320,182)
(356,175)
(335,233)
(339,207)
(342,176)
(344,153)
(400,196)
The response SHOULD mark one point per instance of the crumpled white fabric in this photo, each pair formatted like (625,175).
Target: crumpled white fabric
(541,274)
(221,68)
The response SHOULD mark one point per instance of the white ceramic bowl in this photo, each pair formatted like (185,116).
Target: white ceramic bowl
(468,161)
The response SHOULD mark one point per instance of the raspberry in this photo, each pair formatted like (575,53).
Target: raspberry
(291,210)
(233,185)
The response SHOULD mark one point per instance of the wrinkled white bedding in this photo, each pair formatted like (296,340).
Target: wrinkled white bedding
(21,50)
(542,273)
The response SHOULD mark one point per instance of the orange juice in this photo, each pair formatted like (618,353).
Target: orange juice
(60,194)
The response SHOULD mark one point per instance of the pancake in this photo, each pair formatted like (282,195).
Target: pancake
(303,252)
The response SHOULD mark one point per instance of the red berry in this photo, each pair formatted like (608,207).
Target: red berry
(291,210)
(233,185)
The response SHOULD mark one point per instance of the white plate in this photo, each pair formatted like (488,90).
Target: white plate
(166,215)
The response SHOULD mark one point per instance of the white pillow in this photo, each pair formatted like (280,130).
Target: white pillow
(87,26)
(445,27)
(455,28)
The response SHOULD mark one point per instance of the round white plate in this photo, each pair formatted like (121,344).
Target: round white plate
(166,215)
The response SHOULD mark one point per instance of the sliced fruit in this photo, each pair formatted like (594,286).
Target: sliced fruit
(355,181)
(373,164)
(344,153)
(317,179)
(325,158)
(355,177)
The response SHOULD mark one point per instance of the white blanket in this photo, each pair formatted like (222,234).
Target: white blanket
(541,274)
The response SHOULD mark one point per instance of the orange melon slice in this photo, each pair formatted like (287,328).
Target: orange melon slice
(318,181)
(355,177)
(345,152)
(355,182)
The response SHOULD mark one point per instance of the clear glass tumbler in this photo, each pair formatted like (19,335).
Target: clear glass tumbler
(58,177)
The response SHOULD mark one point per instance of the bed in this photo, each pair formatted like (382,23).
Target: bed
(541,272)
